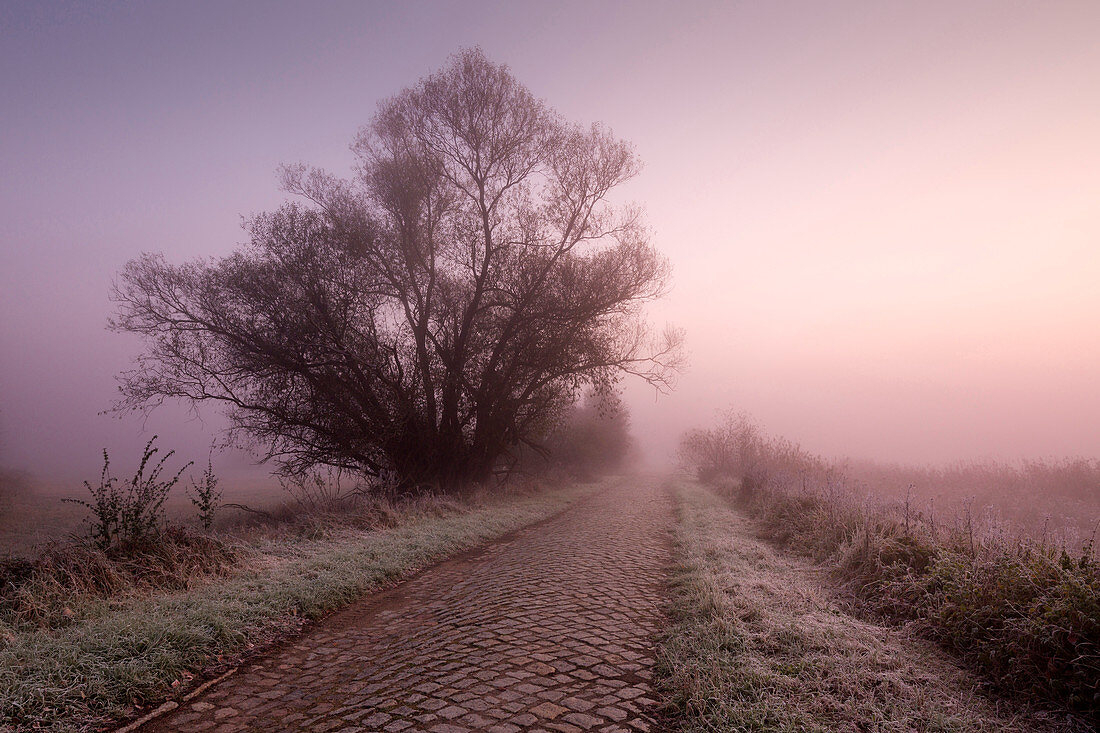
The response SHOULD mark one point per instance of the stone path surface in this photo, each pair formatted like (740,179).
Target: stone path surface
(551,630)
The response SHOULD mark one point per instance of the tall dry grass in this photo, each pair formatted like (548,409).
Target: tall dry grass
(1055,501)
(1025,611)
(758,643)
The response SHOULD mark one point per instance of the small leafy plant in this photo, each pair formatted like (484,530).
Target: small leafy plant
(205,495)
(129,514)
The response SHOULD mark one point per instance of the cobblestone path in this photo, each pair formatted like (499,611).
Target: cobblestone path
(551,630)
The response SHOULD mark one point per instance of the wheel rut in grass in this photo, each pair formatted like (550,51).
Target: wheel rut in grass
(552,629)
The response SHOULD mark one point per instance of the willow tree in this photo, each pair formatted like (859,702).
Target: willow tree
(428,317)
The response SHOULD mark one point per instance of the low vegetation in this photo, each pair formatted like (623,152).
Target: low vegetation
(88,633)
(757,643)
(205,496)
(128,544)
(125,516)
(1026,613)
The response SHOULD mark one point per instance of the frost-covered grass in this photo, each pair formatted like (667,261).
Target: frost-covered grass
(1023,610)
(1026,615)
(107,654)
(757,643)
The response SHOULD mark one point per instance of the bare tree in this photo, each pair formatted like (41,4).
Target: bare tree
(428,316)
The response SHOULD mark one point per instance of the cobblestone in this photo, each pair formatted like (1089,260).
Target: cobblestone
(550,630)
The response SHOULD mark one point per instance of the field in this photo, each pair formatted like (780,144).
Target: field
(1054,502)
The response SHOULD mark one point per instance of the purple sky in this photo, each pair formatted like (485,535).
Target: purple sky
(883,217)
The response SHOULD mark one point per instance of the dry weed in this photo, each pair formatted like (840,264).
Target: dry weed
(758,644)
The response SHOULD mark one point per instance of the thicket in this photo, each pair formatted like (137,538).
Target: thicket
(1025,612)
(593,437)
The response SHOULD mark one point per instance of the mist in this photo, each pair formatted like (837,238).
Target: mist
(881,218)
(526,365)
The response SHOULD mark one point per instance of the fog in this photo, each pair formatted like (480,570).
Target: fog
(882,217)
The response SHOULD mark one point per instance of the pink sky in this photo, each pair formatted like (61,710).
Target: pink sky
(883,217)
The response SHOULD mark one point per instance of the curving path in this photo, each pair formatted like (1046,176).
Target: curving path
(549,630)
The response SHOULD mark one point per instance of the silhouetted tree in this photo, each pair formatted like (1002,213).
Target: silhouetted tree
(428,316)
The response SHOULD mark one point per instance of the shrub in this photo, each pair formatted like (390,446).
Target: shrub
(205,496)
(327,489)
(1031,618)
(127,516)
(593,437)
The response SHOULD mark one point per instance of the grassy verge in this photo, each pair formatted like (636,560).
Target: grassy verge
(756,644)
(1023,611)
(136,649)
(1026,615)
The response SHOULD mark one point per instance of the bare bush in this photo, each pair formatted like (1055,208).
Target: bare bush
(129,515)
(205,496)
(738,452)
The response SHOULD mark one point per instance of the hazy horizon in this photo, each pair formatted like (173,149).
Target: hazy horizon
(882,217)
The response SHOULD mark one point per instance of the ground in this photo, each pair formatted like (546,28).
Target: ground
(552,629)
(558,627)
